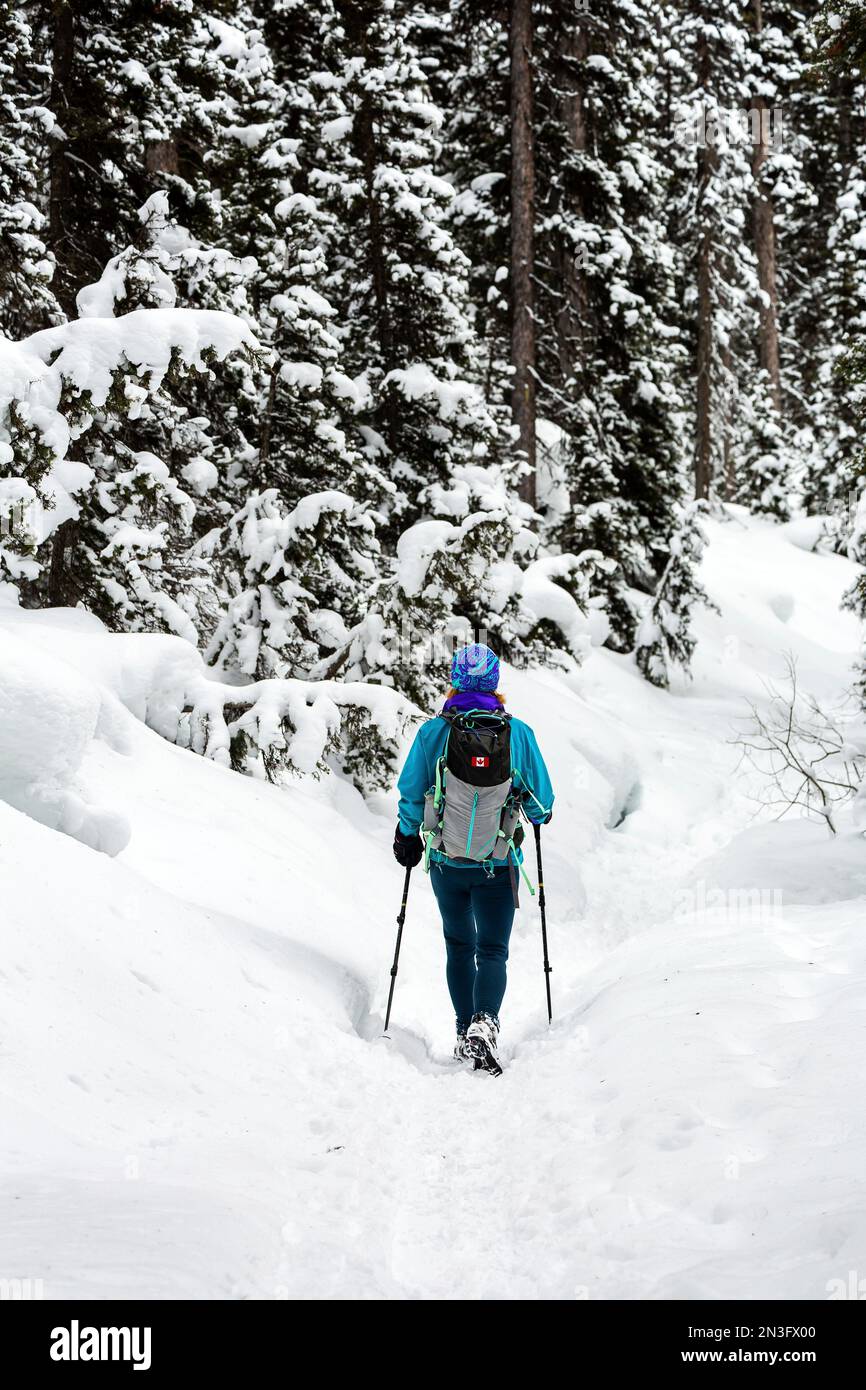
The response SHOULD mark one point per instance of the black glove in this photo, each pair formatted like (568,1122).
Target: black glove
(407,849)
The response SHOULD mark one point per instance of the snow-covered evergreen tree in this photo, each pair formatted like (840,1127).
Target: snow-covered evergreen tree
(609,346)
(308,437)
(823,300)
(301,581)
(710,192)
(451,580)
(133,554)
(665,637)
(840,33)
(307,478)
(465,55)
(68,397)
(141,96)
(396,277)
(143,457)
(769,448)
(26,269)
(829,311)
(339,178)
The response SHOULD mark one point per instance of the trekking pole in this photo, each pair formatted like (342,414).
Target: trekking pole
(400,920)
(541,904)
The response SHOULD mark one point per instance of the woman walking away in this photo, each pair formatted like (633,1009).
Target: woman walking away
(472,773)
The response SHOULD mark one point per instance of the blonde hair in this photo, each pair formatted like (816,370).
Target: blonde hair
(497,694)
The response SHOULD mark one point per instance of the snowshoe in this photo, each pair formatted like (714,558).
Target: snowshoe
(482,1037)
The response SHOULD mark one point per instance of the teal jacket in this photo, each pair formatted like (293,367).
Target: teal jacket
(419,774)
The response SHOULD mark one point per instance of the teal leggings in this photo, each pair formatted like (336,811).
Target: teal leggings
(477,914)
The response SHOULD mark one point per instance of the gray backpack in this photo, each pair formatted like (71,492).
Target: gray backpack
(472,812)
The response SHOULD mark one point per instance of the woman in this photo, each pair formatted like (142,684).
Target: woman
(450,792)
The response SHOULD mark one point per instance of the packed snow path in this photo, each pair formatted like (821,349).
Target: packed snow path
(199,1100)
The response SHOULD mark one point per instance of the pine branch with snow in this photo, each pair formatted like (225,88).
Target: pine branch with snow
(665,637)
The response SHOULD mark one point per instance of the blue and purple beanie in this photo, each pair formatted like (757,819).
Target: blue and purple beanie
(475,668)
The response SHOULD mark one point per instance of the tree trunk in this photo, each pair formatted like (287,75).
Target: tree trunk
(160,157)
(704,439)
(707,161)
(522,241)
(62,53)
(63,283)
(572,314)
(729,469)
(377,249)
(61,589)
(764,225)
(264,462)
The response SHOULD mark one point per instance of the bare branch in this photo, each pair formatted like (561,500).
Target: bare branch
(801,751)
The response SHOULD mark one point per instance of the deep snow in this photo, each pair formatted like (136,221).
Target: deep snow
(198,1101)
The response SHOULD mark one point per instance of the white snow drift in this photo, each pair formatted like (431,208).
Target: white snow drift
(198,1101)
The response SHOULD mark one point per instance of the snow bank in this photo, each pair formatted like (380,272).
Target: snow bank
(213,1106)
(807,532)
(797,861)
(49,717)
(290,725)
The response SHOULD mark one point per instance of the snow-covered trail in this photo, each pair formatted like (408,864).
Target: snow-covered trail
(201,1102)
(630,1150)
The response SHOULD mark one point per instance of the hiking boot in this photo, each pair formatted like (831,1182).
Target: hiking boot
(482,1038)
(462,1051)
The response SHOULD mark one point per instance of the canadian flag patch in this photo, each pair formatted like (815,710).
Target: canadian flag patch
(480,762)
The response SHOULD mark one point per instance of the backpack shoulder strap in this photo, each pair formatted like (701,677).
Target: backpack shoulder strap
(458,716)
